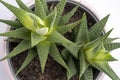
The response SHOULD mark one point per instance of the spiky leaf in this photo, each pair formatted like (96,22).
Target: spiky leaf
(104,66)
(30,56)
(43,50)
(39,9)
(66,17)
(24,45)
(97,29)
(60,8)
(88,75)
(54,52)
(72,67)
(65,54)
(23,6)
(50,20)
(44,4)
(112,46)
(21,14)
(58,38)
(14,24)
(98,41)
(24,16)
(83,64)
(21,33)
(12,40)
(82,36)
(36,38)
(109,40)
(63,29)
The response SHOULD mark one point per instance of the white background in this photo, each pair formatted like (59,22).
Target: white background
(104,7)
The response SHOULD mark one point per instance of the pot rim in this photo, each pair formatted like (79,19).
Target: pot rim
(91,10)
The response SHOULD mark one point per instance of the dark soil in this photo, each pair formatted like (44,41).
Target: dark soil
(53,70)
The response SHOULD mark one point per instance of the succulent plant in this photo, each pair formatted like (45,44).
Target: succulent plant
(40,30)
(94,52)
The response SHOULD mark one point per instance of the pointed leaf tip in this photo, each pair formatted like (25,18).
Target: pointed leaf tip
(22,46)
(72,66)
(97,29)
(82,36)
(23,6)
(40,8)
(97,41)
(60,7)
(43,51)
(106,69)
(54,52)
(15,24)
(108,33)
(63,29)
(83,64)
(32,53)
(66,17)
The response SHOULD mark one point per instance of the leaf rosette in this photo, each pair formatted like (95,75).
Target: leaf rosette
(39,31)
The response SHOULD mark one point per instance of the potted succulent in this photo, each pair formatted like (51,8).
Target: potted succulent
(43,32)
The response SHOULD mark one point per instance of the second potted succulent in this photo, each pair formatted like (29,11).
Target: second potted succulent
(46,32)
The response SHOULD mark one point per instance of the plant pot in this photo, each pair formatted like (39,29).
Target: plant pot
(83,5)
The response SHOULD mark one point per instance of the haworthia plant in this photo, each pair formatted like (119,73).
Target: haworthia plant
(94,52)
(40,30)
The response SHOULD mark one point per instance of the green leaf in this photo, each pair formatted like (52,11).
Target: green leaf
(109,40)
(65,54)
(58,38)
(97,41)
(104,66)
(13,40)
(21,33)
(72,67)
(39,9)
(54,18)
(70,62)
(60,8)
(88,75)
(24,45)
(50,18)
(14,24)
(36,38)
(30,56)
(97,29)
(18,12)
(67,16)
(102,55)
(83,64)
(54,52)
(22,15)
(44,3)
(65,28)
(23,6)
(82,36)
(43,50)
(75,32)
(112,46)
